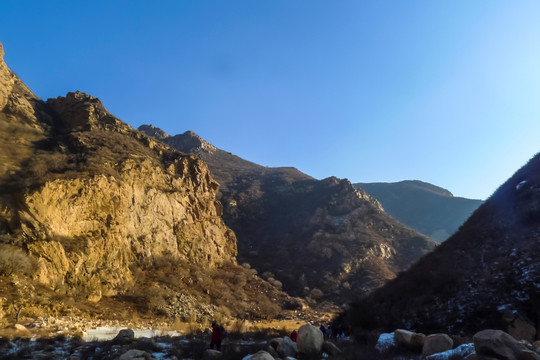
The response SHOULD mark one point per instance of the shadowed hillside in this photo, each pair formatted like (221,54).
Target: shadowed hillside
(486,275)
(324,240)
(427,208)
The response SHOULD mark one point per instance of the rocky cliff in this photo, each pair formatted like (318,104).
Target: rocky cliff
(91,202)
(324,240)
(427,208)
(484,276)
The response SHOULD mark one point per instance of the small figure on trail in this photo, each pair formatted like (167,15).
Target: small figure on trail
(218,333)
(294,335)
(329,332)
(323,330)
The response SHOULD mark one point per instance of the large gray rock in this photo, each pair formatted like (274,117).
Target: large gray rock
(124,337)
(517,325)
(409,339)
(310,341)
(287,347)
(498,344)
(211,354)
(436,343)
(272,351)
(330,348)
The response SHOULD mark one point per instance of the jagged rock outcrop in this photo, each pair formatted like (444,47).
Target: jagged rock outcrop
(485,276)
(322,239)
(90,199)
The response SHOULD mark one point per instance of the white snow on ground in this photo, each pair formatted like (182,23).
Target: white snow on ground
(463,351)
(386,341)
(109,333)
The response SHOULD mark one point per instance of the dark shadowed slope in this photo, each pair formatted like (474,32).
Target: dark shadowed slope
(323,239)
(427,208)
(486,275)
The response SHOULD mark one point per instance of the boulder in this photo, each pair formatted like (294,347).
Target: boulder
(517,325)
(276,342)
(536,346)
(330,348)
(310,340)
(272,351)
(125,336)
(409,339)
(498,344)
(287,347)
(436,343)
(417,341)
(403,337)
(211,354)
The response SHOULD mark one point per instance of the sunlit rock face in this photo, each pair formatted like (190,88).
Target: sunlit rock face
(90,199)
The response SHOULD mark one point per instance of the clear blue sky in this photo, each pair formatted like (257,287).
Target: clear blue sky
(447,92)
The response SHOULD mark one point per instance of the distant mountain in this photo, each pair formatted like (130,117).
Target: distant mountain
(427,208)
(322,239)
(484,276)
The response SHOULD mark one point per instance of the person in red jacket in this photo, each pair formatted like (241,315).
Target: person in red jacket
(294,335)
(216,338)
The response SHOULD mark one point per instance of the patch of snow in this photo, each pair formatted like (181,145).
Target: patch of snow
(160,355)
(520,185)
(108,333)
(462,351)
(386,341)
(247,357)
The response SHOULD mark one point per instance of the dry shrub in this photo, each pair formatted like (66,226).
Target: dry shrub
(14,261)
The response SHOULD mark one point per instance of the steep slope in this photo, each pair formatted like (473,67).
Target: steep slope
(93,210)
(427,208)
(321,239)
(486,275)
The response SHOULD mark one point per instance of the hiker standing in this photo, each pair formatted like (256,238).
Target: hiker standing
(216,338)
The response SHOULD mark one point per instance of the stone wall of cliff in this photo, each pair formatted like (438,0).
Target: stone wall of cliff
(90,199)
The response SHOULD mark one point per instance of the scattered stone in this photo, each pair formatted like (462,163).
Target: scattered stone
(125,336)
(211,354)
(287,347)
(437,343)
(330,348)
(272,351)
(402,337)
(497,344)
(135,354)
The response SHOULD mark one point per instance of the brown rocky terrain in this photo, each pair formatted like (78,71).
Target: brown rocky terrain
(95,215)
(324,240)
(485,276)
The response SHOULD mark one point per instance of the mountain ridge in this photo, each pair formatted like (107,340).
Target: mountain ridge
(425,207)
(93,212)
(484,276)
(327,235)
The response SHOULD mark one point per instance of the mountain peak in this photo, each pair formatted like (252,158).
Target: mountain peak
(80,111)
(154,132)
